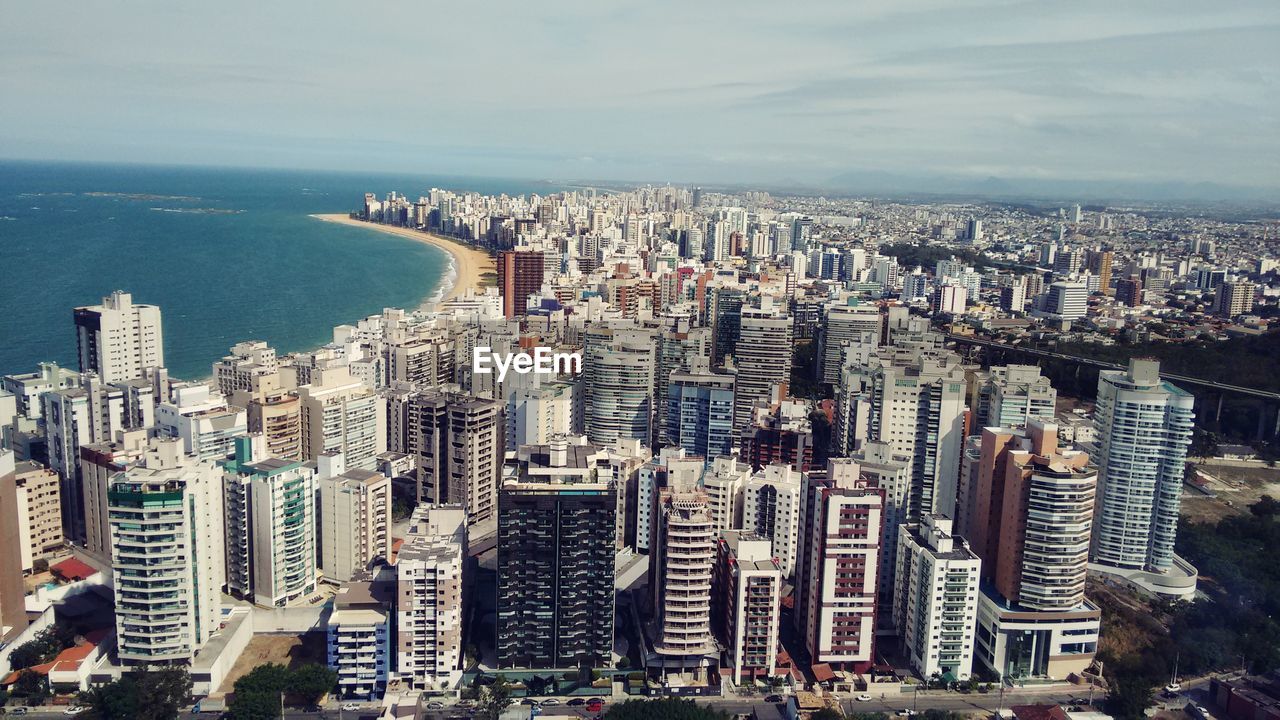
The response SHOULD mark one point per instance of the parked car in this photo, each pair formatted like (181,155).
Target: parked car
(595,705)
(773,698)
(18,711)
(351,707)
(435,705)
(577,701)
(73,710)
(551,701)
(863,698)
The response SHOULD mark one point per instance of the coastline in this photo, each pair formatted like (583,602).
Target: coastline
(467,263)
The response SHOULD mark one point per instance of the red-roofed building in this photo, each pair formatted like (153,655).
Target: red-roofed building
(73,570)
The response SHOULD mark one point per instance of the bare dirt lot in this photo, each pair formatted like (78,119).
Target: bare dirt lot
(288,650)
(1235,488)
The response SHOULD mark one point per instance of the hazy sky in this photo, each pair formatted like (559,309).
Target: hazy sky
(686,91)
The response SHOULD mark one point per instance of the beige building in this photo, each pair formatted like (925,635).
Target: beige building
(339,413)
(13,613)
(39,512)
(354,518)
(429,618)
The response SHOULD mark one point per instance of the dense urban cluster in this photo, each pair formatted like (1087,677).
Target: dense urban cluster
(776,462)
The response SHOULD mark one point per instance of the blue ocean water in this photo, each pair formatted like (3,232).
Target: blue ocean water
(227,254)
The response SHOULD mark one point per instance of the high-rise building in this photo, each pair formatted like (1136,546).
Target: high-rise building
(429,609)
(39,511)
(270,527)
(538,410)
(358,636)
(837,573)
(700,411)
(748,604)
(354,523)
(725,481)
(1129,292)
(459,450)
(520,274)
(1144,428)
(618,367)
(1067,301)
(1233,298)
(203,420)
(1032,519)
(245,368)
(340,413)
(936,599)
(556,537)
(1007,395)
(950,298)
(843,324)
(119,340)
(99,462)
(771,510)
(762,356)
(681,564)
(1100,265)
(13,610)
(1013,299)
(915,396)
(167,544)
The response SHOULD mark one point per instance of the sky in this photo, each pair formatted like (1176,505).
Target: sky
(803,93)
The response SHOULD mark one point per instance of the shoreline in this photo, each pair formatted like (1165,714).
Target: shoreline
(466,267)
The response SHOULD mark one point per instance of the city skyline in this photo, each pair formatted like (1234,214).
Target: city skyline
(993,98)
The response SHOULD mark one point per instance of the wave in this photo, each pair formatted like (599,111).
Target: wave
(199,211)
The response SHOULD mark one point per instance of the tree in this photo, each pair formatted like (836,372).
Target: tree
(827,713)
(32,686)
(269,678)
(494,699)
(143,694)
(664,709)
(254,705)
(44,647)
(311,681)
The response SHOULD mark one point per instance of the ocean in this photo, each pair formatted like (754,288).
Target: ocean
(227,254)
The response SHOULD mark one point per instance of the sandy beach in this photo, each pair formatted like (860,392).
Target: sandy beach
(469,263)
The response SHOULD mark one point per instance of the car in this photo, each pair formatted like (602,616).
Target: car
(73,710)
(1173,687)
(863,698)
(773,698)
(355,707)
(551,701)
(906,713)
(528,701)
(435,705)
(18,711)
(577,701)
(595,705)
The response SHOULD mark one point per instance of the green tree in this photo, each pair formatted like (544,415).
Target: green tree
(269,678)
(311,681)
(143,694)
(254,705)
(31,685)
(827,713)
(494,699)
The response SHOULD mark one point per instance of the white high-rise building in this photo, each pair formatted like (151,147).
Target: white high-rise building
(771,509)
(844,324)
(167,558)
(429,615)
(1144,428)
(749,592)
(1067,300)
(203,420)
(119,340)
(916,402)
(538,411)
(618,367)
(270,527)
(1009,395)
(724,482)
(936,599)
(762,356)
